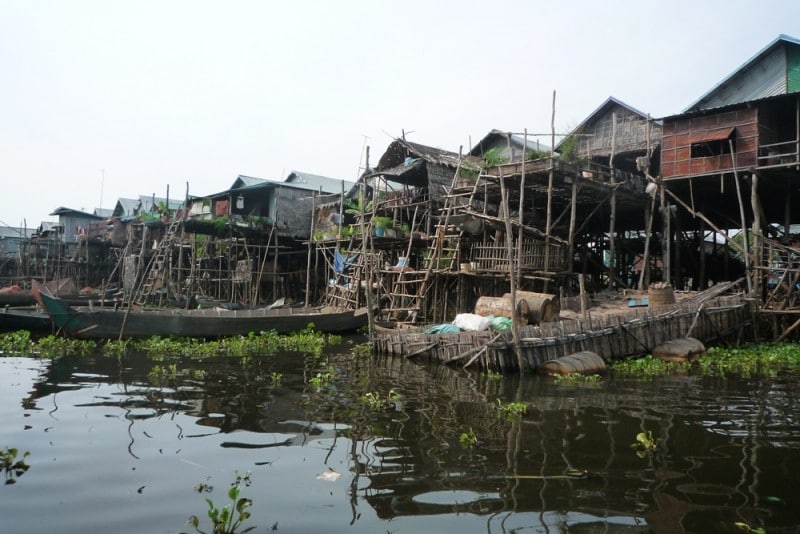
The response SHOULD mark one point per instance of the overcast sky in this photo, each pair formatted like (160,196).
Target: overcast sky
(108,99)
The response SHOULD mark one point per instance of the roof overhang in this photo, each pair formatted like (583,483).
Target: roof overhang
(714,135)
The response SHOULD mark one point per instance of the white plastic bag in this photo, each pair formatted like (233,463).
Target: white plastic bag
(471,321)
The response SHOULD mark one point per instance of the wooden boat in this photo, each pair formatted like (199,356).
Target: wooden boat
(31,319)
(64,289)
(110,323)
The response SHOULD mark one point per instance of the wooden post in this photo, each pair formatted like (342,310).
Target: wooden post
(677,273)
(511,275)
(703,277)
(522,204)
(612,255)
(367,268)
(550,190)
(584,303)
(275,263)
(644,275)
(787,208)
(745,240)
(723,233)
(572,214)
(665,238)
(755,205)
(308,255)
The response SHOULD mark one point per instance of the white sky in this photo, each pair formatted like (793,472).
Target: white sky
(107,99)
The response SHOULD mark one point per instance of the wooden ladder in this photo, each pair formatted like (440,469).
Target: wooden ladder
(158,268)
(345,289)
(410,289)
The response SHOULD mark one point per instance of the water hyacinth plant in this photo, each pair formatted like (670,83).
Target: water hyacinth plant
(229,518)
(13,467)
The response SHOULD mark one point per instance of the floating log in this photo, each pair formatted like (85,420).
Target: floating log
(585,362)
(686,349)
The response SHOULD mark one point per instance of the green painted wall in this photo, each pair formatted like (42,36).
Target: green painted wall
(793,69)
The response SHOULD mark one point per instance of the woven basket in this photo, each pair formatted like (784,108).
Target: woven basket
(660,295)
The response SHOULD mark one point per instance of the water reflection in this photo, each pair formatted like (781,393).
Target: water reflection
(728,447)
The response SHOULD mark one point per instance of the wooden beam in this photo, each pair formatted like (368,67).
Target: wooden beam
(724,234)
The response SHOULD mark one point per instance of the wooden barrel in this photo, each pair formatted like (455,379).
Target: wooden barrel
(501,307)
(686,349)
(585,362)
(543,307)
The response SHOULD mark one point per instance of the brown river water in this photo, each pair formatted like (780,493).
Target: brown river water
(343,443)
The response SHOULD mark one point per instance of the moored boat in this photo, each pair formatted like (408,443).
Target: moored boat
(134,322)
(31,319)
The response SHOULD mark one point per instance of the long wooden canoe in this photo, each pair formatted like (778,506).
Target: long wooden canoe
(109,323)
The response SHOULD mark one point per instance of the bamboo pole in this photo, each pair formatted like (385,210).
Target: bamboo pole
(511,275)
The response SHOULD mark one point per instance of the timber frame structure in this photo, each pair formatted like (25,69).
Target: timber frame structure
(433,231)
(733,173)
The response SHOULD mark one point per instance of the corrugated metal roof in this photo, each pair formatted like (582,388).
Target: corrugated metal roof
(246,181)
(317,182)
(69,211)
(517,140)
(12,232)
(763,82)
(104,212)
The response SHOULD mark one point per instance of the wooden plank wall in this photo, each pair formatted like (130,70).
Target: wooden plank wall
(676,148)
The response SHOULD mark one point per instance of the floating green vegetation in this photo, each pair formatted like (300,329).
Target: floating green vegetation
(115,348)
(275,379)
(762,359)
(361,350)
(158,374)
(229,518)
(52,346)
(13,467)
(468,439)
(645,444)
(322,379)
(646,367)
(577,378)
(744,527)
(512,410)
(19,343)
(491,375)
(16,343)
(265,343)
(373,400)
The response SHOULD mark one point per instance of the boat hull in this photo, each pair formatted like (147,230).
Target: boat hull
(106,323)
